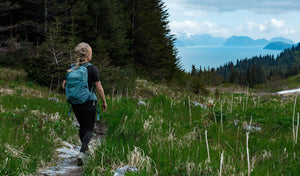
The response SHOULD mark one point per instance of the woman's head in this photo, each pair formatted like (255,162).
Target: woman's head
(83,52)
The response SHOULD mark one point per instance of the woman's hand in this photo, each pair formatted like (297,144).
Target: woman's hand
(64,84)
(104,106)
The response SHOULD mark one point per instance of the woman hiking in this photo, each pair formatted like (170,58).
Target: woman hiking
(85,112)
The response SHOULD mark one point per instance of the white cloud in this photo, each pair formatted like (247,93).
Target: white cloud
(266,27)
(246,27)
(292,31)
(197,13)
(254,18)
(209,24)
(260,6)
(189,28)
(262,28)
(287,31)
(277,23)
(250,25)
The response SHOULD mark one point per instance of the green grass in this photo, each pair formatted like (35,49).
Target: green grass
(160,138)
(293,81)
(30,131)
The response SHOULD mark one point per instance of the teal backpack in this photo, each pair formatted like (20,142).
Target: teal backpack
(77,89)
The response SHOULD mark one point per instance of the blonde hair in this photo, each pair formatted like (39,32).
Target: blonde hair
(81,51)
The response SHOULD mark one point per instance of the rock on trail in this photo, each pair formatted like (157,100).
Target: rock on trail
(67,162)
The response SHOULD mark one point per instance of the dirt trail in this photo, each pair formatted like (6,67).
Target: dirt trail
(66,164)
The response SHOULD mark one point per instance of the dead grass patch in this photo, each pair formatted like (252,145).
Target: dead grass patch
(8,74)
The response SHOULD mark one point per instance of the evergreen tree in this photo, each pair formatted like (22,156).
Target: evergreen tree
(194,71)
(255,75)
(153,47)
(28,20)
(252,71)
(50,65)
(123,34)
(103,22)
(114,29)
(84,22)
(234,76)
(7,25)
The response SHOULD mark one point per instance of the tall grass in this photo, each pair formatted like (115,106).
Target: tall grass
(30,129)
(163,137)
(169,145)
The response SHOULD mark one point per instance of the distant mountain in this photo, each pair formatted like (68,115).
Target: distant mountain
(262,42)
(281,39)
(240,41)
(207,39)
(247,41)
(204,39)
(278,46)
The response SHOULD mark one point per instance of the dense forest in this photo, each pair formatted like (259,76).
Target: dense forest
(129,39)
(253,71)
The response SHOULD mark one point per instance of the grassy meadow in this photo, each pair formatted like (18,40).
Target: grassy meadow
(168,137)
(31,126)
(165,134)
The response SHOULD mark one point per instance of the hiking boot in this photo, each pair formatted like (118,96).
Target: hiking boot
(81,159)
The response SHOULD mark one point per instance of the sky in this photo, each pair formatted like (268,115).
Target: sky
(225,18)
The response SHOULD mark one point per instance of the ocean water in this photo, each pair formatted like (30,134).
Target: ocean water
(215,56)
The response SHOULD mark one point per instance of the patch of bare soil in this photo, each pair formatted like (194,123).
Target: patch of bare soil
(6,91)
(100,129)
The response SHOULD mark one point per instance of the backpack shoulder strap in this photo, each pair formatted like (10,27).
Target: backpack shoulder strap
(86,64)
(73,65)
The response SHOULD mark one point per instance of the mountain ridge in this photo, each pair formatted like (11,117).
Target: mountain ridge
(278,45)
(207,39)
(203,39)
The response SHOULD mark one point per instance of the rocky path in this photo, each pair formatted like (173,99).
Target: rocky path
(288,91)
(66,164)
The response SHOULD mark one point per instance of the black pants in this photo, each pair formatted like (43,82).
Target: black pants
(85,114)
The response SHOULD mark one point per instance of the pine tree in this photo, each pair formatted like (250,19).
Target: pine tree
(194,71)
(49,67)
(123,34)
(113,29)
(154,51)
(84,22)
(103,22)
(6,10)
